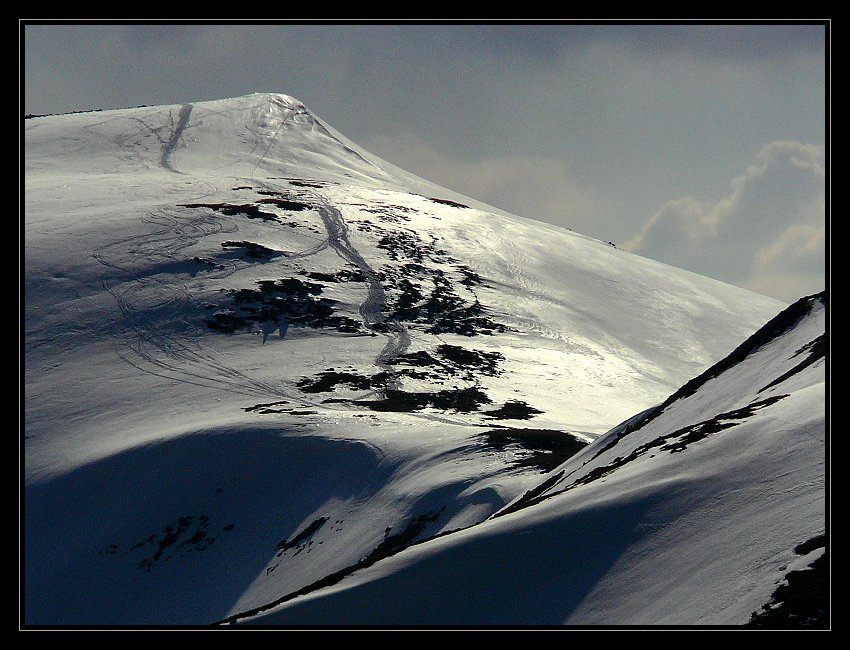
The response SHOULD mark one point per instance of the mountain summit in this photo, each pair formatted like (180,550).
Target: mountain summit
(267,370)
(260,135)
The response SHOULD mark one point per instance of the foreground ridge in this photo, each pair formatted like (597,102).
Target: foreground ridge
(273,379)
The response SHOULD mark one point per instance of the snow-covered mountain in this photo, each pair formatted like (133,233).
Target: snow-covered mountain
(691,512)
(260,362)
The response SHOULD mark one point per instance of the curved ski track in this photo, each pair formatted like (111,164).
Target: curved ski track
(372,308)
(162,352)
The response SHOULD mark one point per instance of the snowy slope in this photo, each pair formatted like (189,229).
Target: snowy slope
(691,513)
(754,426)
(257,354)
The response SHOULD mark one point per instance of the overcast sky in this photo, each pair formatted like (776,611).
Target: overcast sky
(701,146)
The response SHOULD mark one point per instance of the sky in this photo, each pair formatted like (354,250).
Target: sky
(702,146)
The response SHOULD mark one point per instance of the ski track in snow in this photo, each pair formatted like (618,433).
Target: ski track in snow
(371,309)
(179,232)
(161,352)
(158,331)
(184,358)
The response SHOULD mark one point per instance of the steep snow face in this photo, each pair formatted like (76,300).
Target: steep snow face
(690,513)
(209,278)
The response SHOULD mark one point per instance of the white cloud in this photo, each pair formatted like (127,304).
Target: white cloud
(792,264)
(767,234)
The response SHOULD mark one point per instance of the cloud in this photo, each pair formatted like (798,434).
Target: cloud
(530,186)
(793,264)
(767,234)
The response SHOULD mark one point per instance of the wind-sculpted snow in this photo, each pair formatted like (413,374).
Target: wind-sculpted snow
(261,361)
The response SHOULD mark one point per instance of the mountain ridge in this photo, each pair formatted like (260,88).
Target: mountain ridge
(498,548)
(255,350)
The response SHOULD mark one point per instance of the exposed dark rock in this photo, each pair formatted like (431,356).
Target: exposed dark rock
(258,407)
(816,350)
(252,250)
(818,541)
(345,275)
(549,447)
(470,277)
(328,380)
(513,410)
(248,210)
(483,363)
(303,536)
(420,359)
(286,204)
(462,400)
(305,184)
(391,545)
(531,497)
(442,311)
(680,439)
(773,329)
(205,261)
(673,442)
(30,116)
(289,301)
(191,533)
(389,213)
(802,601)
(450,361)
(454,204)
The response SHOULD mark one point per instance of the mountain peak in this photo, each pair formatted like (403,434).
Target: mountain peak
(255,350)
(261,100)
(261,134)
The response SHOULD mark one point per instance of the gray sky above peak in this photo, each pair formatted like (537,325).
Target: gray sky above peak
(698,145)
